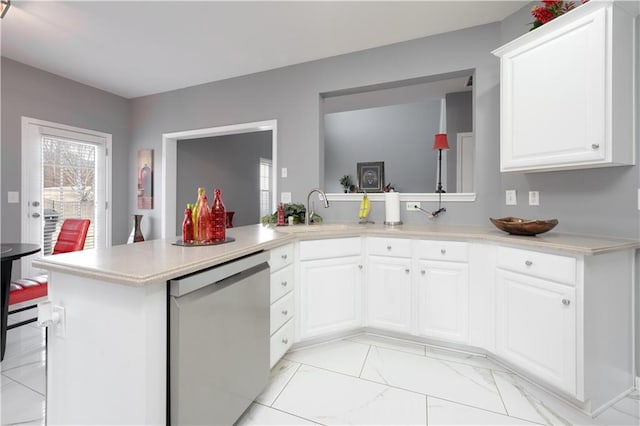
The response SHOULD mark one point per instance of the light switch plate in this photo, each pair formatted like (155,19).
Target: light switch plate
(534,198)
(285,197)
(13,197)
(284,172)
(510,197)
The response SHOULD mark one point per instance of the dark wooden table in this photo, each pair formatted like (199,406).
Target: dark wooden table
(10,252)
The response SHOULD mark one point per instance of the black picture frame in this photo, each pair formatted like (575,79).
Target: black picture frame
(371,176)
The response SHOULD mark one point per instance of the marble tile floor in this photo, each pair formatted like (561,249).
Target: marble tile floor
(361,380)
(23,376)
(375,380)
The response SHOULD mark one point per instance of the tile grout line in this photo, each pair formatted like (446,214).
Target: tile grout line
(290,414)
(364,361)
(426,410)
(286,384)
(495,383)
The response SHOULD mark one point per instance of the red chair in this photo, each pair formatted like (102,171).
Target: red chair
(25,291)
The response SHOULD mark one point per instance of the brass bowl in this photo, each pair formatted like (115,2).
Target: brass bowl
(517,226)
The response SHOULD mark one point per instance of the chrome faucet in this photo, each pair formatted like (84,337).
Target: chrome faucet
(308,216)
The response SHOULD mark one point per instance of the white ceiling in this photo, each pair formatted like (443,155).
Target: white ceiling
(139,48)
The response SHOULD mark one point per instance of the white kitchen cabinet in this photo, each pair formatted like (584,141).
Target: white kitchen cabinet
(389,293)
(330,286)
(536,327)
(566,101)
(565,320)
(443,300)
(282,301)
(443,290)
(388,283)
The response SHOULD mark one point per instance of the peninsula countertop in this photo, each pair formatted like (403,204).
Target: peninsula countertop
(157,261)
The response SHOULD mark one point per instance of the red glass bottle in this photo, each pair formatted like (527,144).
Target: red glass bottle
(204,220)
(187,226)
(218,213)
(280,215)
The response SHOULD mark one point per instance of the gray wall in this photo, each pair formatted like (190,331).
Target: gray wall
(230,163)
(28,91)
(399,135)
(459,120)
(291,96)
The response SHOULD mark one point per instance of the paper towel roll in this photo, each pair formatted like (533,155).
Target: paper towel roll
(392,208)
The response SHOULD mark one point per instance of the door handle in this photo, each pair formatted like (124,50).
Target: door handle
(36,215)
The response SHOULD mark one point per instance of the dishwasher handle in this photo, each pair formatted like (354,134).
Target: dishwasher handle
(189,283)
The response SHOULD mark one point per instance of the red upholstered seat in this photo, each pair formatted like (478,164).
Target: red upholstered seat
(71,238)
(72,235)
(25,289)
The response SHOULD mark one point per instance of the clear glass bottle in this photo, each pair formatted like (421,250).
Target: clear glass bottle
(187,225)
(218,213)
(204,219)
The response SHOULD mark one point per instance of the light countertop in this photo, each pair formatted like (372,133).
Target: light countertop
(157,261)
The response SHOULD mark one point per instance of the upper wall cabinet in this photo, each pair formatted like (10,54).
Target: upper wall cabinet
(567,97)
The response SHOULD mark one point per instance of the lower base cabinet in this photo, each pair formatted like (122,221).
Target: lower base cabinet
(564,320)
(443,300)
(330,295)
(536,327)
(389,293)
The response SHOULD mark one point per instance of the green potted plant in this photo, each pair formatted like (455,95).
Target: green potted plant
(346,183)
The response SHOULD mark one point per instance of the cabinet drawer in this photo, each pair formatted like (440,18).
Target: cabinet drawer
(322,249)
(281,341)
(543,265)
(396,247)
(281,257)
(443,250)
(281,282)
(281,312)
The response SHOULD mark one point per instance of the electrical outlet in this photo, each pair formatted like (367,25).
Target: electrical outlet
(510,197)
(413,206)
(61,326)
(284,172)
(285,197)
(534,198)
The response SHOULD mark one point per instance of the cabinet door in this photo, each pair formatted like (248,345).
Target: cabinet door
(330,295)
(389,293)
(536,327)
(553,98)
(443,294)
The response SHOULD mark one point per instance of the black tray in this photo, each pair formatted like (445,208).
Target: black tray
(216,243)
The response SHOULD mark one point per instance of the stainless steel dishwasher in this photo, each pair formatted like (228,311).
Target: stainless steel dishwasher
(218,341)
